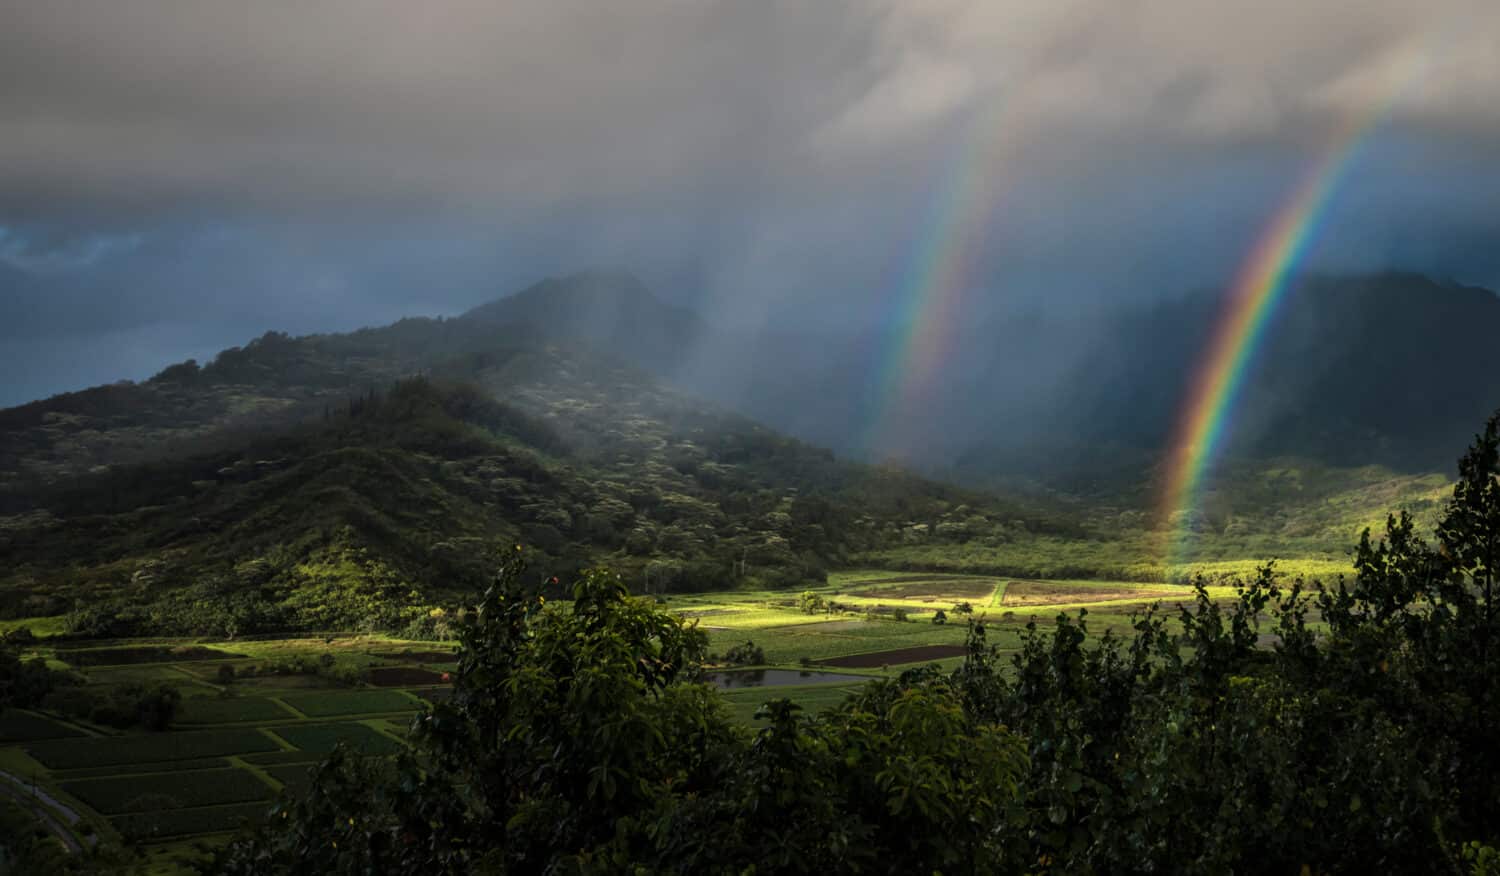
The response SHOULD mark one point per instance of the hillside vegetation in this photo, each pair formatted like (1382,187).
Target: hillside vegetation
(1362,743)
(344,510)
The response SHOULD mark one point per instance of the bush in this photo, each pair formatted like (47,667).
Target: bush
(748,654)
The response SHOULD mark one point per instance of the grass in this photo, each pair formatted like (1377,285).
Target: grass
(232,710)
(293,776)
(321,738)
(181,790)
(169,823)
(812,698)
(207,781)
(143,749)
(41,627)
(278,758)
(167,766)
(357,702)
(19,726)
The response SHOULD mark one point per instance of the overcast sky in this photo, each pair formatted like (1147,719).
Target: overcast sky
(176,177)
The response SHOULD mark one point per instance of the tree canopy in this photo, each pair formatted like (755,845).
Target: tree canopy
(1296,728)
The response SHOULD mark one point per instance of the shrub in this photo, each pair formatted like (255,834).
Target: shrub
(748,654)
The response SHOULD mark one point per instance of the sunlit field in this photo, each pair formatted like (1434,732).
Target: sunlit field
(256,714)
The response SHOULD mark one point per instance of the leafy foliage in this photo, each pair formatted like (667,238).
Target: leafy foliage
(577,742)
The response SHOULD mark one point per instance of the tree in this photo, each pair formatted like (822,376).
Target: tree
(576,741)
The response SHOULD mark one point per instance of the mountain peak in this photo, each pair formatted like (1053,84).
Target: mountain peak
(586,291)
(610,311)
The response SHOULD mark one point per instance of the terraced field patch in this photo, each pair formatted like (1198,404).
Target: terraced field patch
(279,758)
(231,710)
(403,676)
(354,702)
(172,823)
(142,654)
(19,726)
(896,657)
(119,794)
(293,776)
(166,766)
(418,656)
(1021,594)
(930,590)
(61,754)
(321,738)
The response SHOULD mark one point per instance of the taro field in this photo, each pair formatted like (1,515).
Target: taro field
(865,624)
(256,715)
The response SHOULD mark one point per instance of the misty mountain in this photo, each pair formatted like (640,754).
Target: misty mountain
(1392,369)
(322,481)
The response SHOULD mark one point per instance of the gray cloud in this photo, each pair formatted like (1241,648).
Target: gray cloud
(292,165)
(278,105)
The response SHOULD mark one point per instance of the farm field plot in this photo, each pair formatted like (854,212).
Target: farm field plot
(131,655)
(170,823)
(165,766)
(293,776)
(402,676)
(146,674)
(290,701)
(1025,594)
(743,703)
(75,753)
(414,656)
(895,657)
(217,710)
(926,590)
(19,726)
(280,758)
(356,702)
(321,738)
(179,790)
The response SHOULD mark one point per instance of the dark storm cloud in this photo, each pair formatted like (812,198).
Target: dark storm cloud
(175,174)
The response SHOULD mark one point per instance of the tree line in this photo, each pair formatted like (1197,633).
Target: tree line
(1341,727)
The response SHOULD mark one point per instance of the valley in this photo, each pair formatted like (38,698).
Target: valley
(256,715)
(218,579)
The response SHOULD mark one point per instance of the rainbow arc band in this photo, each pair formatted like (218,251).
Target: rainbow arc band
(1206,415)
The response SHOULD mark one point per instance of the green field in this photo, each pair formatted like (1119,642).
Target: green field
(142,749)
(213,710)
(291,775)
(239,736)
(19,726)
(173,823)
(321,738)
(180,790)
(359,702)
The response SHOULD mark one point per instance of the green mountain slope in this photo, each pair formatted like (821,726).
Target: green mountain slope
(269,490)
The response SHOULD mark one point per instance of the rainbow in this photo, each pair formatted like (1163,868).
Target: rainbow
(1259,288)
(930,294)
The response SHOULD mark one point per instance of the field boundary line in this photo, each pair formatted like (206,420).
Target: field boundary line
(66,722)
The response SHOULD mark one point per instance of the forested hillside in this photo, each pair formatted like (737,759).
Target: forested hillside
(1317,728)
(305,483)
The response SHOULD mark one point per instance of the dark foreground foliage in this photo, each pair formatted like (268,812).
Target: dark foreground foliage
(575,742)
